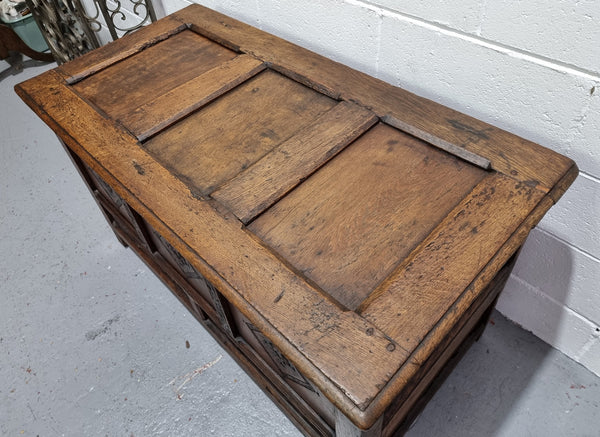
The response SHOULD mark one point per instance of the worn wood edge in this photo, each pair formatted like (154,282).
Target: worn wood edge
(262,169)
(213,37)
(452,344)
(146,120)
(339,394)
(410,368)
(385,99)
(563,184)
(451,148)
(345,428)
(115,51)
(489,181)
(307,81)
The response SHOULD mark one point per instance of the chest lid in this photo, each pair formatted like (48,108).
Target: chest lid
(351,221)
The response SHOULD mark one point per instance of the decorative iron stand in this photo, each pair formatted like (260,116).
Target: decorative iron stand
(70,31)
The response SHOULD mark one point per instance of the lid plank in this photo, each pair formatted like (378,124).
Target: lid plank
(461,152)
(355,219)
(213,145)
(406,307)
(265,182)
(152,72)
(168,108)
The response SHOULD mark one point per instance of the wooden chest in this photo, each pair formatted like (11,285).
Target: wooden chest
(343,239)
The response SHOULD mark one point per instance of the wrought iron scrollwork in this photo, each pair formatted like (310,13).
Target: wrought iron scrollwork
(64,27)
(71,31)
(117,20)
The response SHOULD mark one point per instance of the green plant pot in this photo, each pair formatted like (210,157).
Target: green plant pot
(28,31)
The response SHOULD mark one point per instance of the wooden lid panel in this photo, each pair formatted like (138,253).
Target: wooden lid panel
(128,84)
(348,225)
(166,109)
(213,145)
(259,186)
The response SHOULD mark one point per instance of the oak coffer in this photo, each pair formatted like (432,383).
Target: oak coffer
(343,239)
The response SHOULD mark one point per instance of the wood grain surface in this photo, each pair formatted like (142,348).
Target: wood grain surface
(353,221)
(259,186)
(152,72)
(352,224)
(329,345)
(153,116)
(428,282)
(212,146)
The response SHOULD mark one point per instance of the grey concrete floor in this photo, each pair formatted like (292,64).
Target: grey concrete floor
(92,344)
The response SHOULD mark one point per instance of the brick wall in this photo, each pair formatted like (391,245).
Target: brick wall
(532,68)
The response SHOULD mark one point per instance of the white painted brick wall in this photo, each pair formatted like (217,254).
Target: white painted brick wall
(464,15)
(564,273)
(532,68)
(563,31)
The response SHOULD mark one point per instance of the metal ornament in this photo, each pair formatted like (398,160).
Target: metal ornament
(70,31)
